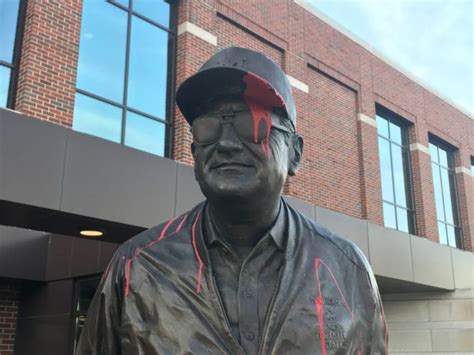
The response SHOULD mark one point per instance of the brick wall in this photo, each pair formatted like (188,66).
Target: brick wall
(9,293)
(344,80)
(341,166)
(50,47)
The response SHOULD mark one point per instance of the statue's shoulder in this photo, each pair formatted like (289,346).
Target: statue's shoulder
(315,230)
(162,233)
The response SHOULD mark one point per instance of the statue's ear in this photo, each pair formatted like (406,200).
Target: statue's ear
(296,154)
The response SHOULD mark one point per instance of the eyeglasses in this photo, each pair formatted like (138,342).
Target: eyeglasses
(208,129)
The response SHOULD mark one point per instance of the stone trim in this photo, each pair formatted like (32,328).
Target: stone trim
(420,147)
(198,32)
(462,169)
(366,119)
(298,84)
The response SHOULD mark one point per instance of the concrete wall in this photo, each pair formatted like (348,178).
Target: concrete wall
(431,323)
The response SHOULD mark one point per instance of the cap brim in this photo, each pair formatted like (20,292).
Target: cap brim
(205,85)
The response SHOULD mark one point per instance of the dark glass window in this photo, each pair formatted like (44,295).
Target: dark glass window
(9,20)
(85,290)
(123,75)
(395,171)
(442,163)
(472,166)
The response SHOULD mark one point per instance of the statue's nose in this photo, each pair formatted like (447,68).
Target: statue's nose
(229,140)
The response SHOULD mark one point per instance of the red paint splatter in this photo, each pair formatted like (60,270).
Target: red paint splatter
(196,253)
(128,264)
(261,99)
(319,302)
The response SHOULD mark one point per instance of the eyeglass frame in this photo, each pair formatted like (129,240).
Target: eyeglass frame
(223,121)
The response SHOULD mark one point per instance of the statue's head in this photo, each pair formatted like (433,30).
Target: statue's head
(242,115)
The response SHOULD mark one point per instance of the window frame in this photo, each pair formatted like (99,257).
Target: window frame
(74,312)
(14,66)
(168,120)
(404,126)
(450,151)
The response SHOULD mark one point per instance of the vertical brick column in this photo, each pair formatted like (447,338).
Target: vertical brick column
(48,65)
(465,195)
(369,164)
(194,46)
(9,293)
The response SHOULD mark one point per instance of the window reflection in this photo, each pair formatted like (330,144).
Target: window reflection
(148,68)
(9,10)
(394,172)
(449,231)
(122,80)
(98,118)
(9,14)
(101,68)
(145,134)
(156,10)
(4,84)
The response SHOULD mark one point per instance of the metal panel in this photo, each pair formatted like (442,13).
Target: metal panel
(345,226)
(463,268)
(304,207)
(33,158)
(188,192)
(59,257)
(112,182)
(432,263)
(23,253)
(390,253)
(106,251)
(85,257)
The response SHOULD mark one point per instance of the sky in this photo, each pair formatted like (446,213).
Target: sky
(431,39)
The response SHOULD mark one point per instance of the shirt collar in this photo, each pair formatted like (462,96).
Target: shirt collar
(276,232)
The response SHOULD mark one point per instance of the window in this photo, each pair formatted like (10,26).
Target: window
(398,211)
(9,42)
(85,290)
(442,164)
(124,73)
(472,166)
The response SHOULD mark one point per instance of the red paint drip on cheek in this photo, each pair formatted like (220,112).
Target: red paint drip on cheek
(257,92)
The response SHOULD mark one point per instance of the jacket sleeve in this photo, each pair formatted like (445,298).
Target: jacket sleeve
(379,340)
(101,332)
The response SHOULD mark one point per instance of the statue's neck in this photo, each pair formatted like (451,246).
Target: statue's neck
(243,224)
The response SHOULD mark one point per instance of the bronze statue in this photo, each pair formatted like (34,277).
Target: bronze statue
(242,272)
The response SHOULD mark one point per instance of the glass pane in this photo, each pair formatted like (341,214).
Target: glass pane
(451,236)
(157,10)
(382,126)
(472,166)
(395,133)
(148,68)
(97,118)
(434,153)
(399,176)
(4,85)
(145,134)
(442,233)
(443,157)
(448,202)
(438,192)
(86,293)
(8,20)
(122,2)
(389,215)
(101,68)
(385,170)
(402,219)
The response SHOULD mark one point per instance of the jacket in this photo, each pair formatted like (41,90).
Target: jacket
(158,297)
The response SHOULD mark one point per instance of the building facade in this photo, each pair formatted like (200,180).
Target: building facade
(91,139)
